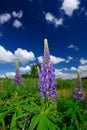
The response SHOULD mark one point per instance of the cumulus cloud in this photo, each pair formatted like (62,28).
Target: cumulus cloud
(52,19)
(71,46)
(60,74)
(25,69)
(40,59)
(73,69)
(4,18)
(17,14)
(6,56)
(83,68)
(17,24)
(24,56)
(69,58)
(83,61)
(10,74)
(54,59)
(65,69)
(69,6)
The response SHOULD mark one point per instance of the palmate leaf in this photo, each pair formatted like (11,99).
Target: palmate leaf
(41,122)
(19,112)
(34,122)
(70,127)
(2,115)
(28,108)
(49,123)
(45,123)
(5,112)
(13,122)
(42,125)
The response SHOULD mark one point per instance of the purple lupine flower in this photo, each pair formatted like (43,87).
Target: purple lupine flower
(18,78)
(47,84)
(78,91)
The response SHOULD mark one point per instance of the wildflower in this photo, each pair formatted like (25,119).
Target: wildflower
(47,84)
(78,91)
(18,78)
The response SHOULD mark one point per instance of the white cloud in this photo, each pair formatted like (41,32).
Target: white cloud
(17,24)
(2,76)
(24,56)
(40,59)
(54,59)
(52,19)
(83,61)
(83,68)
(10,74)
(4,18)
(73,47)
(25,69)
(60,74)
(69,58)
(69,6)
(5,55)
(64,69)
(73,69)
(17,14)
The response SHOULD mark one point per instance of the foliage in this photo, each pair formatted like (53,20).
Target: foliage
(34,70)
(73,114)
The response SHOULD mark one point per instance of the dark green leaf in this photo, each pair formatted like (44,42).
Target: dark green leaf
(34,122)
(13,122)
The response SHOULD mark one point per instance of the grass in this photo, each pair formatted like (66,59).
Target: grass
(27,106)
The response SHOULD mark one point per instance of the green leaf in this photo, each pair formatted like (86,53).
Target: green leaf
(69,111)
(45,123)
(19,112)
(50,124)
(28,108)
(13,122)
(42,125)
(34,122)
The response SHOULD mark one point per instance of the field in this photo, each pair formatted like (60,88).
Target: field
(22,108)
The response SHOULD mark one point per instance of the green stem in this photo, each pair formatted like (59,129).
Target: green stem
(17,87)
(3,124)
(47,103)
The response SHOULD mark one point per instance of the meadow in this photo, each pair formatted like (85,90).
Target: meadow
(40,102)
(22,107)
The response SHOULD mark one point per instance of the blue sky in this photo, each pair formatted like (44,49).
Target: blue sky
(25,23)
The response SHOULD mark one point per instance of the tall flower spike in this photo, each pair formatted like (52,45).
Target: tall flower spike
(46,52)
(47,84)
(18,78)
(78,91)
